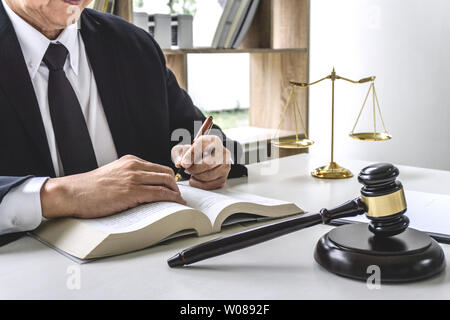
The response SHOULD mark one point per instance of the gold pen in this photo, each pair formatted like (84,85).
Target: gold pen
(204,130)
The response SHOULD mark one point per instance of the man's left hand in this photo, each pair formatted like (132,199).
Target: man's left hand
(207,161)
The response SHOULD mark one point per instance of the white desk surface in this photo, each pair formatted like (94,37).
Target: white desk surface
(280,269)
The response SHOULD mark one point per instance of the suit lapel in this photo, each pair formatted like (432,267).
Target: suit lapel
(16,84)
(18,89)
(105,65)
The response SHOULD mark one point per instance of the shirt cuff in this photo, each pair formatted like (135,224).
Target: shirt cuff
(21,208)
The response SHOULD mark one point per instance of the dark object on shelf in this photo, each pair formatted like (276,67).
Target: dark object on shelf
(174,26)
(151,25)
(182,31)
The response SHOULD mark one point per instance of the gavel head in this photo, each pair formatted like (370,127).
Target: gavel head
(384,198)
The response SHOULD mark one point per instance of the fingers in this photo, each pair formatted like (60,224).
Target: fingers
(213,174)
(210,185)
(147,194)
(202,147)
(211,162)
(133,163)
(153,167)
(178,153)
(156,179)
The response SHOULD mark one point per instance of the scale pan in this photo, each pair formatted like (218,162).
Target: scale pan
(371,136)
(292,143)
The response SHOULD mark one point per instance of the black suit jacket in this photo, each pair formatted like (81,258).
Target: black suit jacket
(141,98)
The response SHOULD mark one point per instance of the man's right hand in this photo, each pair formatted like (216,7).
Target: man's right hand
(120,185)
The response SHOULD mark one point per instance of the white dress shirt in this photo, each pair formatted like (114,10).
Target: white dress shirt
(21,209)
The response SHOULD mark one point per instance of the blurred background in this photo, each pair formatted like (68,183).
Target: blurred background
(404,43)
(223,93)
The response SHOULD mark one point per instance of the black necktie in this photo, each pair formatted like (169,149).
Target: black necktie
(71,132)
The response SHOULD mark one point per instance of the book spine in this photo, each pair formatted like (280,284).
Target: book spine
(105,6)
(229,22)
(247,24)
(238,21)
(223,19)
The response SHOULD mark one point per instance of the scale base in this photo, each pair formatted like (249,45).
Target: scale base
(332,171)
(350,250)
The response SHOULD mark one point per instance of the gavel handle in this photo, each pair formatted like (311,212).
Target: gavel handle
(252,237)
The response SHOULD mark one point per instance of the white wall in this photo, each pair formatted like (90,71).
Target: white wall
(216,81)
(406,44)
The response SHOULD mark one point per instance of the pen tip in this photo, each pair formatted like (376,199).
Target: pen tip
(176,261)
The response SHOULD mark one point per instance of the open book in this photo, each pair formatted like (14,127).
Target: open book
(206,212)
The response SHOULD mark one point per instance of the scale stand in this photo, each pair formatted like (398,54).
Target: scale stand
(290,143)
(332,170)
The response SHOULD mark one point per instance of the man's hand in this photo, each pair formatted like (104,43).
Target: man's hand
(120,185)
(207,161)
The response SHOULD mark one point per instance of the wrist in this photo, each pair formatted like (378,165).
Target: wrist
(54,199)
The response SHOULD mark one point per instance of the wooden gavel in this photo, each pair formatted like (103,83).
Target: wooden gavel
(382,200)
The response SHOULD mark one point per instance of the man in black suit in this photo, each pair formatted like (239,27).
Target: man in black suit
(87,111)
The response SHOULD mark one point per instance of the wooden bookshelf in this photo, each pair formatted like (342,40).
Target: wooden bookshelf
(124,9)
(278,45)
(201,50)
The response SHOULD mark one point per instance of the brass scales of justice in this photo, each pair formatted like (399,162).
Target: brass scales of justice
(332,170)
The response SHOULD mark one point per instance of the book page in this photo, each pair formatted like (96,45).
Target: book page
(212,203)
(209,203)
(247,197)
(136,218)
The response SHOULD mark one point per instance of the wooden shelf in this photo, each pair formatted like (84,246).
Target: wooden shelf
(278,46)
(124,9)
(244,50)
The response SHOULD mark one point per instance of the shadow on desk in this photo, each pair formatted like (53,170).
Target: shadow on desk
(11,237)
(243,267)
(168,248)
(22,244)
